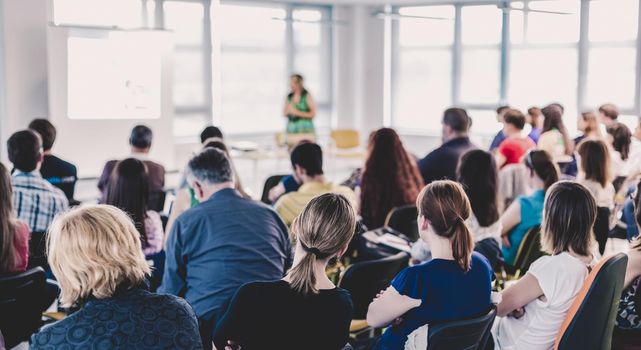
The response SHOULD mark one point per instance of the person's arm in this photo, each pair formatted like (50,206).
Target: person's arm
(633,269)
(231,326)
(287,108)
(174,278)
(500,158)
(104,177)
(568,142)
(389,306)
(526,290)
(276,192)
(510,218)
(312,109)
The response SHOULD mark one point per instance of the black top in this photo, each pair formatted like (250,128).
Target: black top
(441,163)
(60,173)
(271,315)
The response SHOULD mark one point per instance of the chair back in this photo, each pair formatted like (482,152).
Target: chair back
(38,251)
(602,227)
(529,250)
(366,279)
(468,334)
(270,183)
(157,200)
(20,311)
(590,321)
(403,219)
(345,138)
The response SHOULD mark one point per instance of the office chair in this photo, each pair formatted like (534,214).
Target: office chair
(270,183)
(403,219)
(468,334)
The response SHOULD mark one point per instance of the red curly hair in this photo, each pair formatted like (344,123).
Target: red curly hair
(391,177)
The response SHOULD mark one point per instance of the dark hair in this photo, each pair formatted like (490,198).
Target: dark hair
(128,190)
(309,156)
(478,174)
(218,145)
(610,110)
(621,138)
(141,137)
(209,132)
(502,109)
(446,206)
(8,223)
(514,117)
(595,160)
(46,130)
(535,114)
(568,217)
(553,119)
(559,106)
(545,168)
(390,178)
(211,166)
(24,148)
(457,119)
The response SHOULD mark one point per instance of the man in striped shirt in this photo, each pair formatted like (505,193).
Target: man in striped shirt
(35,200)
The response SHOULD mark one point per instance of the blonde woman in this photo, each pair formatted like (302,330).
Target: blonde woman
(304,310)
(95,253)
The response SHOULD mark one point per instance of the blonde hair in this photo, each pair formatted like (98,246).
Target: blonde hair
(324,227)
(93,250)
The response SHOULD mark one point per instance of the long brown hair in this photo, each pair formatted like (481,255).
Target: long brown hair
(478,174)
(554,120)
(324,228)
(8,223)
(446,207)
(390,178)
(541,163)
(595,161)
(621,139)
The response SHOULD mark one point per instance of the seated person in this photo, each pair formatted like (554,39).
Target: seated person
(525,212)
(96,256)
(307,163)
(35,200)
(620,139)
(128,190)
(140,142)
(554,137)
(58,172)
(515,145)
(532,310)
(629,314)
(500,136)
(456,284)
(14,234)
(305,303)
(535,119)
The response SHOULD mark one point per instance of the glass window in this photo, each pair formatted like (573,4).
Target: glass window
(189,78)
(481,25)
(418,32)
(309,43)
(484,122)
(552,27)
(119,13)
(480,76)
(186,20)
(613,20)
(611,76)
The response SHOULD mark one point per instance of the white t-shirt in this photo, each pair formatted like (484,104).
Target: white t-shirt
(560,278)
(604,196)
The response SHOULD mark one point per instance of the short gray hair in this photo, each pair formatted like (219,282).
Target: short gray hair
(211,166)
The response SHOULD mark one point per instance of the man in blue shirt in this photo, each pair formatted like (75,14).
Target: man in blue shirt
(222,243)
(500,136)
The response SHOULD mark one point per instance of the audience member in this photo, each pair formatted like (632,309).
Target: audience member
(58,172)
(390,178)
(35,200)
(595,171)
(588,124)
(210,132)
(305,303)
(441,163)
(533,309)
(96,256)
(608,114)
(525,212)
(438,290)
(629,314)
(500,136)
(14,234)
(307,162)
(555,138)
(535,119)
(140,142)
(128,190)
(515,145)
(620,138)
(222,243)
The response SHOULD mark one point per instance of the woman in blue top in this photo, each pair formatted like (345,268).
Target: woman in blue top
(526,211)
(455,284)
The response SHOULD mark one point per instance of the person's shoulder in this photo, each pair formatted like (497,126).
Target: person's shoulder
(154,164)
(70,167)
(480,261)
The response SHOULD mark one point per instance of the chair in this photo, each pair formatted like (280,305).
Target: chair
(602,227)
(20,314)
(157,264)
(529,250)
(469,334)
(345,143)
(403,219)
(157,201)
(590,321)
(38,251)
(366,279)
(270,183)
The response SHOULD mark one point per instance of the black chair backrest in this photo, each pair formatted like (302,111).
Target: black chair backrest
(20,311)
(592,325)
(366,279)
(38,251)
(157,201)
(529,250)
(602,227)
(403,219)
(270,183)
(468,334)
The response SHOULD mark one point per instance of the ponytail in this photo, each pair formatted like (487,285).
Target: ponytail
(302,276)
(462,244)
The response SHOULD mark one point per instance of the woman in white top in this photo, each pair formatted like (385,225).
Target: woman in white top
(595,171)
(532,310)
(620,139)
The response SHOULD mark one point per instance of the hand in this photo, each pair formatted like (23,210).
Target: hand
(506,241)
(291,109)
(518,313)
(232,345)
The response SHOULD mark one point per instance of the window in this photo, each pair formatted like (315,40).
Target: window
(112,13)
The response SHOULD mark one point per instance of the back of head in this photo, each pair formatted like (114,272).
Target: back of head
(535,114)
(209,132)
(457,119)
(92,251)
(211,166)
(502,109)
(25,150)
(541,163)
(621,138)
(308,156)
(8,257)
(218,144)
(553,118)
(568,216)
(324,229)
(610,110)
(445,206)
(591,122)
(595,160)
(141,137)
(478,175)
(514,117)
(46,130)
